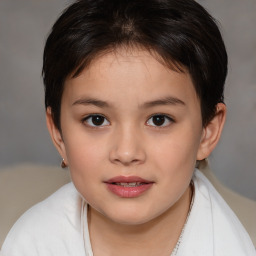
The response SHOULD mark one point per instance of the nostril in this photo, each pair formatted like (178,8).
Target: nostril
(127,149)
(127,159)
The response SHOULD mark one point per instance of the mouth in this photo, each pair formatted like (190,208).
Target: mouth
(129,184)
(128,187)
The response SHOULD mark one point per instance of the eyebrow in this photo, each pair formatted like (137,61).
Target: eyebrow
(91,101)
(163,101)
(149,104)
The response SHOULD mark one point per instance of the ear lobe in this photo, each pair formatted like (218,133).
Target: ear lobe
(55,134)
(212,132)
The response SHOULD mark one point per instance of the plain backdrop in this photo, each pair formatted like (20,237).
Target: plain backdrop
(24,25)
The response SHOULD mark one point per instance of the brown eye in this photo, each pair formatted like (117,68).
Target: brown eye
(159,121)
(96,120)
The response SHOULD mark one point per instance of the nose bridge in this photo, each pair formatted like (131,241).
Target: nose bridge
(127,147)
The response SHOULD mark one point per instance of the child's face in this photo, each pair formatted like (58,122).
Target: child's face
(127,115)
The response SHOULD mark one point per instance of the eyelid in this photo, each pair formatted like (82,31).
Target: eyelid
(171,120)
(85,121)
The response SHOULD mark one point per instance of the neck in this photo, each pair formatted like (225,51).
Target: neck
(150,238)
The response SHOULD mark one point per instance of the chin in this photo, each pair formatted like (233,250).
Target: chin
(129,216)
(131,220)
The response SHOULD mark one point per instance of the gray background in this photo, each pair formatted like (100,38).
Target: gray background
(24,25)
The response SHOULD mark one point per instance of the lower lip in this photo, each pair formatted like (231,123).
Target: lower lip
(128,192)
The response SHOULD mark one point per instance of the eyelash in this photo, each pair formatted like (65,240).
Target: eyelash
(163,118)
(85,120)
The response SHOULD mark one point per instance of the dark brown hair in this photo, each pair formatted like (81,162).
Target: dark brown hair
(181,32)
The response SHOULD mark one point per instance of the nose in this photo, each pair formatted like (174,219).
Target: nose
(127,148)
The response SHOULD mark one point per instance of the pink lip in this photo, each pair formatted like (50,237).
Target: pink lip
(128,192)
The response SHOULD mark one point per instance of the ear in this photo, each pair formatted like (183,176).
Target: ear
(212,132)
(55,134)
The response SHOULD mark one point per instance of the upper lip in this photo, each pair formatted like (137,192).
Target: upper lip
(127,179)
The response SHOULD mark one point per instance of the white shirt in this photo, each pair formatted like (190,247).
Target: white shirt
(58,227)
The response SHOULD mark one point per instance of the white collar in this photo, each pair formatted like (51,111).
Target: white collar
(212,228)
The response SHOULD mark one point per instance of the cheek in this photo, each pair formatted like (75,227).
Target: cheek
(84,157)
(86,164)
(179,150)
(175,159)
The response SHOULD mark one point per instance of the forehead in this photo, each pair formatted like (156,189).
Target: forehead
(135,53)
(123,71)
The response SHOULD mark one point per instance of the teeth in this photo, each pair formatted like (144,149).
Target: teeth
(129,184)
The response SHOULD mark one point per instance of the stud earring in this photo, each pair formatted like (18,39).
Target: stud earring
(63,164)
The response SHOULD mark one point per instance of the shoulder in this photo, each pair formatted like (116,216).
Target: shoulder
(215,223)
(46,226)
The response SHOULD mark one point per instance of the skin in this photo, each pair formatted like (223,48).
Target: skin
(128,88)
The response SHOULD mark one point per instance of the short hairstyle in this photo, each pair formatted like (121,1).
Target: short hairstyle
(181,32)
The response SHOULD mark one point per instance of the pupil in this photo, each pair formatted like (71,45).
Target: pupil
(158,120)
(97,120)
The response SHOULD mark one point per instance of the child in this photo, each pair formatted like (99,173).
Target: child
(134,99)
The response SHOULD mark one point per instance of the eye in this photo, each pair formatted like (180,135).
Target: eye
(159,120)
(96,120)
